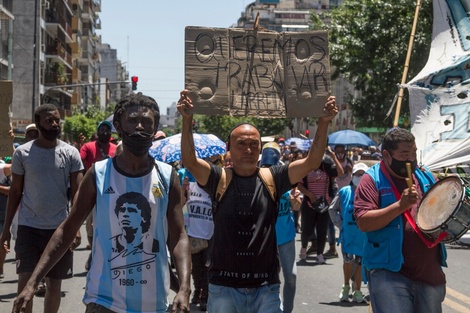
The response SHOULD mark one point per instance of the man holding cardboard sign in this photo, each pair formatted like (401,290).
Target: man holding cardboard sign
(251,72)
(244,270)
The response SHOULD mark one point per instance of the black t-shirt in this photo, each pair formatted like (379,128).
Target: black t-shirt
(244,251)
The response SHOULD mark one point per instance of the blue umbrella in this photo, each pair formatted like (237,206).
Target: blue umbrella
(349,137)
(302,144)
(168,150)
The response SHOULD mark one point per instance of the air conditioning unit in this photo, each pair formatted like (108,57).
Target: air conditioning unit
(46,4)
(43,47)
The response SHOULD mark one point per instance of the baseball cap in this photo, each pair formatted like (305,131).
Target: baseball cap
(159,135)
(30,127)
(271,154)
(360,167)
(107,123)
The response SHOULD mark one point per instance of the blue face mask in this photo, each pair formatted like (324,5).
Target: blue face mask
(269,157)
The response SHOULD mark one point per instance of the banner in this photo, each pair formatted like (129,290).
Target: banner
(243,72)
(439,94)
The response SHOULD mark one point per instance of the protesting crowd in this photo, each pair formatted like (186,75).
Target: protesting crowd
(227,222)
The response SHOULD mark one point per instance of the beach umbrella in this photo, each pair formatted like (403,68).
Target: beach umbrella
(349,137)
(302,144)
(168,150)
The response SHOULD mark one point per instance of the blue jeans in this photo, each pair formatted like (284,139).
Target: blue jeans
(263,299)
(393,292)
(289,271)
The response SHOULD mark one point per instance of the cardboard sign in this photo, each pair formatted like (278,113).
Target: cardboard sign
(242,72)
(6,94)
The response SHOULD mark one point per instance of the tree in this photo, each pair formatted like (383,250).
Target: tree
(368,46)
(86,123)
(221,125)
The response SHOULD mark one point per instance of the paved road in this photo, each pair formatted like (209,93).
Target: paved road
(318,286)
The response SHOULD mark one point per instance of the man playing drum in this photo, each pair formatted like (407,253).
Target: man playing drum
(403,268)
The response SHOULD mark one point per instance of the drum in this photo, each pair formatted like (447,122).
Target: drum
(445,207)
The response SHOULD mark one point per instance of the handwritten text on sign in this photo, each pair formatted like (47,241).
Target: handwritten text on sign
(257,73)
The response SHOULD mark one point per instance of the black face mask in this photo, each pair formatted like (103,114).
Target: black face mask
(104,138)
(137,143)
(399,167)
(50,134)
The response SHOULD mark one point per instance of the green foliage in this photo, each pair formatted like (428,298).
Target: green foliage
(85,123)
(221,125)
(368,46)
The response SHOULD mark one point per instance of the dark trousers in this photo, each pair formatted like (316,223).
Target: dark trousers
(314,221)
(199,273)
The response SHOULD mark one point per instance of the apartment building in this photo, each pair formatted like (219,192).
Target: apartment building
(6,33)
(56,57)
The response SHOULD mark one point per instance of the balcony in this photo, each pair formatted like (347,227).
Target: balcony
(54,79)
(64,113)
(56,24)
(60,53)
(76,49)
(78,3)
(76,75)
(6,7)
(96,5)
(77,98)
(77,25)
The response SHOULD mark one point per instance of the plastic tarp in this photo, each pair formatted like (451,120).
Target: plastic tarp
(439,94)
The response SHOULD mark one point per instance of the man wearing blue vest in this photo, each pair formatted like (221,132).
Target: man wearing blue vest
(403,266)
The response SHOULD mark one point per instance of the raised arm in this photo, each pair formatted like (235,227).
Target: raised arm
(198,167)
(300,168)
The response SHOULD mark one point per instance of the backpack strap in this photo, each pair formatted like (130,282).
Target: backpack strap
(268,180)
(224,181)
(226,177)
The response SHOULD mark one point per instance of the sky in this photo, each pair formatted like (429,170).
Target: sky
(149,38)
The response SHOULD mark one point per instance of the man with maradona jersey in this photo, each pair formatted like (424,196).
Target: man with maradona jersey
(129,269)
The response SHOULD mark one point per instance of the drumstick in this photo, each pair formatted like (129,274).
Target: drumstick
(409,180)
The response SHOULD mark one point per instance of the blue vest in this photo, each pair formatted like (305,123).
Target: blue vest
(383,248)
(351,238)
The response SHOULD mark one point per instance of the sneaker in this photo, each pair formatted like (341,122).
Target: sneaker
(303,254)
(312,250)
(358,296)
(331,254)
(88,263)
(320,259)
(196,298)
(344,295)
(41,290)
(203,306)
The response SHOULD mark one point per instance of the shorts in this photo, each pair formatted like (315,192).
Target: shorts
(30,245)
(1,226)
(351,258)
(96,308)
